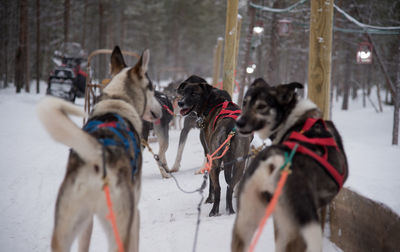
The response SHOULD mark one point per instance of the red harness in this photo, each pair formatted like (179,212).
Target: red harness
(158,121)
(296,137)
(226,112)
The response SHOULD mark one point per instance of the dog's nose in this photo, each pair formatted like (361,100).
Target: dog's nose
(241,122)
(181,103)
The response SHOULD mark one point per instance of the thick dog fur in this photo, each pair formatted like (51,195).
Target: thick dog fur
(161,130)
(202,99)
(130,95)
(276,112)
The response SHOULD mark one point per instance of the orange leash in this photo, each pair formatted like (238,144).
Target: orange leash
(271,206)
(111,218)
(211,157)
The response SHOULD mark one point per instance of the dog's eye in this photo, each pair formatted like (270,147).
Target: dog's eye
(261,107)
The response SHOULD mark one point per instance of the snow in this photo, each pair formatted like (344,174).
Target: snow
(33,166)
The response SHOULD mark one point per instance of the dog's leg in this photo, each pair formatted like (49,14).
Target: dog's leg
(189,123)
(71,217)
(205,149)
(123,207)
(312,235)
(249,214)
(216,188)
(237,244)
(134,233)
(146,129)
(210,198)
(162,135)
(229,189)
(84,239)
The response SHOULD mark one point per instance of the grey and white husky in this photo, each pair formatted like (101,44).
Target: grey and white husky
(106,149)
(319,167)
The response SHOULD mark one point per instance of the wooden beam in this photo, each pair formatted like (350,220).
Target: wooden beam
(246,58)
(319,62)
(217,61)
(360,224)
(230,45)
(237,43)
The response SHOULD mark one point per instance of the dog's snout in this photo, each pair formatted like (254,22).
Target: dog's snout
(241,122)
(181,103)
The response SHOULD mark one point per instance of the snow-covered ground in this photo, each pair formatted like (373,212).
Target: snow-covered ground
(32,167)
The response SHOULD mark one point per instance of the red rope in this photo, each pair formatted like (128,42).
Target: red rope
(211,157)
(168,110)
(270,209)
(111,218)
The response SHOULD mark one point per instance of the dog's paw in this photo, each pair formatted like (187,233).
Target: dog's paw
(230,211)
(197,172)
(214,213)
(174,169)
(209,200)
(165,175)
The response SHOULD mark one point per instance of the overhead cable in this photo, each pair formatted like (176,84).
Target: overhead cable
(264,8)
(353,20)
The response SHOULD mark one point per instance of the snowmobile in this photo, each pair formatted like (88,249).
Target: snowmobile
(68,80)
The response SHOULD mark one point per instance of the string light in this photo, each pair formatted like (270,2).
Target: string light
(366,28)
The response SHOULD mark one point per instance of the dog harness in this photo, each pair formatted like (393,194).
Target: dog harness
(298,137)
(158,121)
(126,138)
(226,112)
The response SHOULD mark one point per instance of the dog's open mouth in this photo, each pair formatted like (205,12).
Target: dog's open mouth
(185,111)
(244,132)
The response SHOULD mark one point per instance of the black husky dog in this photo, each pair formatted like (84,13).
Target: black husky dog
(319,166)
(216,114)
(161,129)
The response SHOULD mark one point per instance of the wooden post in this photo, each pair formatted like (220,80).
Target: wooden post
(320,46)
(230,45)
(246,58)
(217,61)
(237,45)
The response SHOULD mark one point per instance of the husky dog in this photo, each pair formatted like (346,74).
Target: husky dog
(319,167)
(105,152)
(161,129)
(216,119)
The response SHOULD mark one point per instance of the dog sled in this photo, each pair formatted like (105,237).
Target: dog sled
(94,87)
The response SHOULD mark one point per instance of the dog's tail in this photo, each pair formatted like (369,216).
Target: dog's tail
(53,113)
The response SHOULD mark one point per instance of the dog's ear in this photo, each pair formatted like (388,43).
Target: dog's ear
(195,79)
(259,82)
(181,87)
(294,85)
(142,65)
(117,61)
(207,88)
(286,92)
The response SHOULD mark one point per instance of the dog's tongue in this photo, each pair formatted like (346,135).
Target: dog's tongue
(184,111)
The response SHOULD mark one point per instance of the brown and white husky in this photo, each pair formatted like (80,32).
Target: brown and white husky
(106,149)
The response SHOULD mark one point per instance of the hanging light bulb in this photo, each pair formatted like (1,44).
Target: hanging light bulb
(258,27)
(364,53)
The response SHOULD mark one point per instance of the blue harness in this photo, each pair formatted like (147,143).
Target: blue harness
(120,129)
